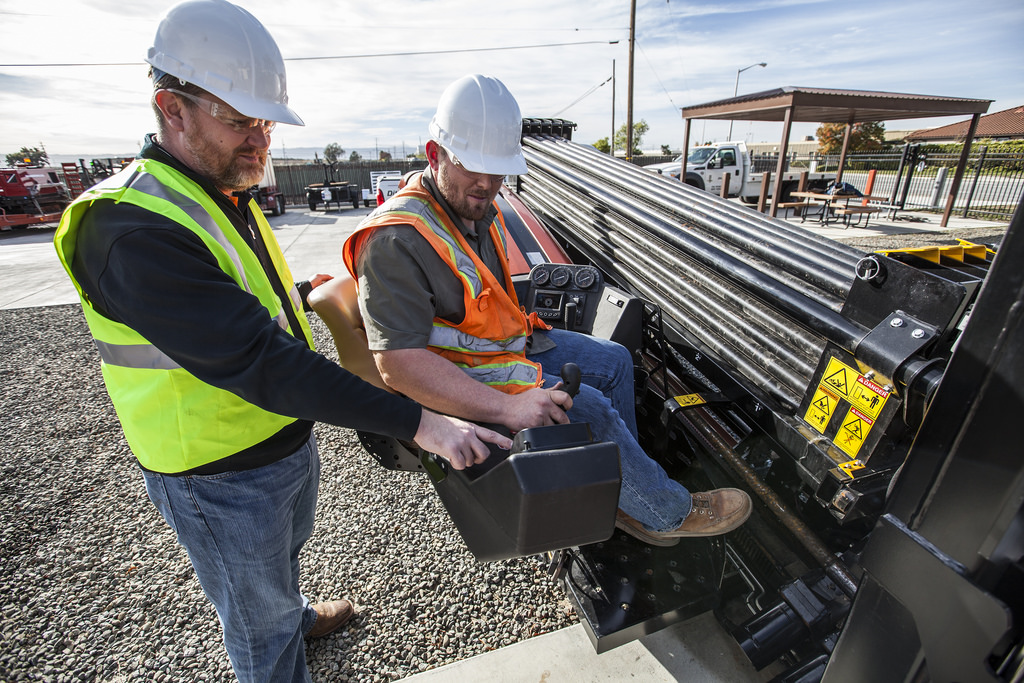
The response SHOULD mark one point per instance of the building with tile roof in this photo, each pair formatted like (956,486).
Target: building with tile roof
(1001,125)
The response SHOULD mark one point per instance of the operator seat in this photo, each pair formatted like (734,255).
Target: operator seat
(556,487)
(336,302)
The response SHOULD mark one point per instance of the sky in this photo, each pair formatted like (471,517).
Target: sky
(367,75)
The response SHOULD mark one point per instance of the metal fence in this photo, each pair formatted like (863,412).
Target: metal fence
(992,186)
(292,179)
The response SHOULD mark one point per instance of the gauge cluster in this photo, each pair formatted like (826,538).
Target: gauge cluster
(564,294)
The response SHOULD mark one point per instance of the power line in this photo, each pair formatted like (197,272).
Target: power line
(581,97)
(657,77)
(360,56)
(448,52)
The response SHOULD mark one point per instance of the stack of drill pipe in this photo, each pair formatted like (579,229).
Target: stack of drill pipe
(762,295)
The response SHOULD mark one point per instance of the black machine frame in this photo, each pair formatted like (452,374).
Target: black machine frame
(840,535)
(864,401)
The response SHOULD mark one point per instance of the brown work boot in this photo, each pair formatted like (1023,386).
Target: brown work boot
(637,531)
(713,513)
(330,616)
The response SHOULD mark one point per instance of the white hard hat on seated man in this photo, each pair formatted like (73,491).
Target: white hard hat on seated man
(478,123)
(221,48)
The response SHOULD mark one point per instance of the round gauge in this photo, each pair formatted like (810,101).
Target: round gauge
(585,278)
(560,276)
(540,276)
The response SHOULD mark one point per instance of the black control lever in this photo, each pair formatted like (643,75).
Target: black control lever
(570,316)
(571,377)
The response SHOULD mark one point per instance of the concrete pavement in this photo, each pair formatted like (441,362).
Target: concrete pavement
(700,650)
(31,274)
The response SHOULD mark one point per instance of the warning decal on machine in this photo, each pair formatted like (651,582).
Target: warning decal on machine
(821,408)
(853,432)
(688,400)
(839,377)
(868,396)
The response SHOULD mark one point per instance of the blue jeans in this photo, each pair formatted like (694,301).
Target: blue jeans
(243,532)
(606,401)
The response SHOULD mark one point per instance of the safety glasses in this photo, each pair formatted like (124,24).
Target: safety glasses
(227,115)
(466,172)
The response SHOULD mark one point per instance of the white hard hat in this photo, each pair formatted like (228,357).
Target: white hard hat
(225,51)
(478,121)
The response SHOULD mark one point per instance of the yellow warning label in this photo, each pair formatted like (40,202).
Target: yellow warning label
(868,397)
(688,400)
(839,377)
(821,408)
(851,466)
(853,432)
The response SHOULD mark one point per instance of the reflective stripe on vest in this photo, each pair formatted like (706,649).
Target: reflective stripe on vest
(147,184)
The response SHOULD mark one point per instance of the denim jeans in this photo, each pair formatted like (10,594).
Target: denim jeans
(606,401)
(243,532)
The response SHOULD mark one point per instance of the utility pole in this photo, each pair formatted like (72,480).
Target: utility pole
(629,86)
(612,138)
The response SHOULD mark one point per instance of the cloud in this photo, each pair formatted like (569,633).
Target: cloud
(687,53)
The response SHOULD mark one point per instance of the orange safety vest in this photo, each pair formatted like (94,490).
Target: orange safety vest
(490,342)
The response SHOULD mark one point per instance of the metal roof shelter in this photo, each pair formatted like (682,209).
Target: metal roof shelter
(822,105)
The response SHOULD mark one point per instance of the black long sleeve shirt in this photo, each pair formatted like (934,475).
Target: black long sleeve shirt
(158,278)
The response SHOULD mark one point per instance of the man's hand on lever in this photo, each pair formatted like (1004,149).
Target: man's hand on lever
(537,407)
(459,442)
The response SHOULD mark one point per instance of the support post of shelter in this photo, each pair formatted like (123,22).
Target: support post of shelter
(762,198)
(686,148)
(781,166)
(842,152)
(961,167)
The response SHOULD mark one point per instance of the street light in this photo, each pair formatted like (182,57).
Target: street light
(736,88)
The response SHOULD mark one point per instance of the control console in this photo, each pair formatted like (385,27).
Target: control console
(565,295)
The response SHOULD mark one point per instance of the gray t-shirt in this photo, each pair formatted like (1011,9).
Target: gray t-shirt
(404,284)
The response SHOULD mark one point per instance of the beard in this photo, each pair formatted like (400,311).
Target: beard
(228,173)
(457,200)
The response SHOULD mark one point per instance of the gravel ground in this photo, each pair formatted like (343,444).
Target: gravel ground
(95,588)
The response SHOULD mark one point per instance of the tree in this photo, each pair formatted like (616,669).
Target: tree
(384,156)
(36,157)
(603,146)
(864,137)
(355,157)
(640,129)
(666,150)
(333,152)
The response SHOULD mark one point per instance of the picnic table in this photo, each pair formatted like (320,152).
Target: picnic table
(836,204)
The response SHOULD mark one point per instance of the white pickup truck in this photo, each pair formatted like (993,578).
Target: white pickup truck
(706,166)
(383,184)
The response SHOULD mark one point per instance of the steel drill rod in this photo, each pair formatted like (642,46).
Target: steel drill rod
(807,244)
(722,298)
(829,265)
(814,315)
(783,375)
(587,212)
(815,284)
(747,236)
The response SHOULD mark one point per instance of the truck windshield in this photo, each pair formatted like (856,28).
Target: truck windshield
(699,155)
